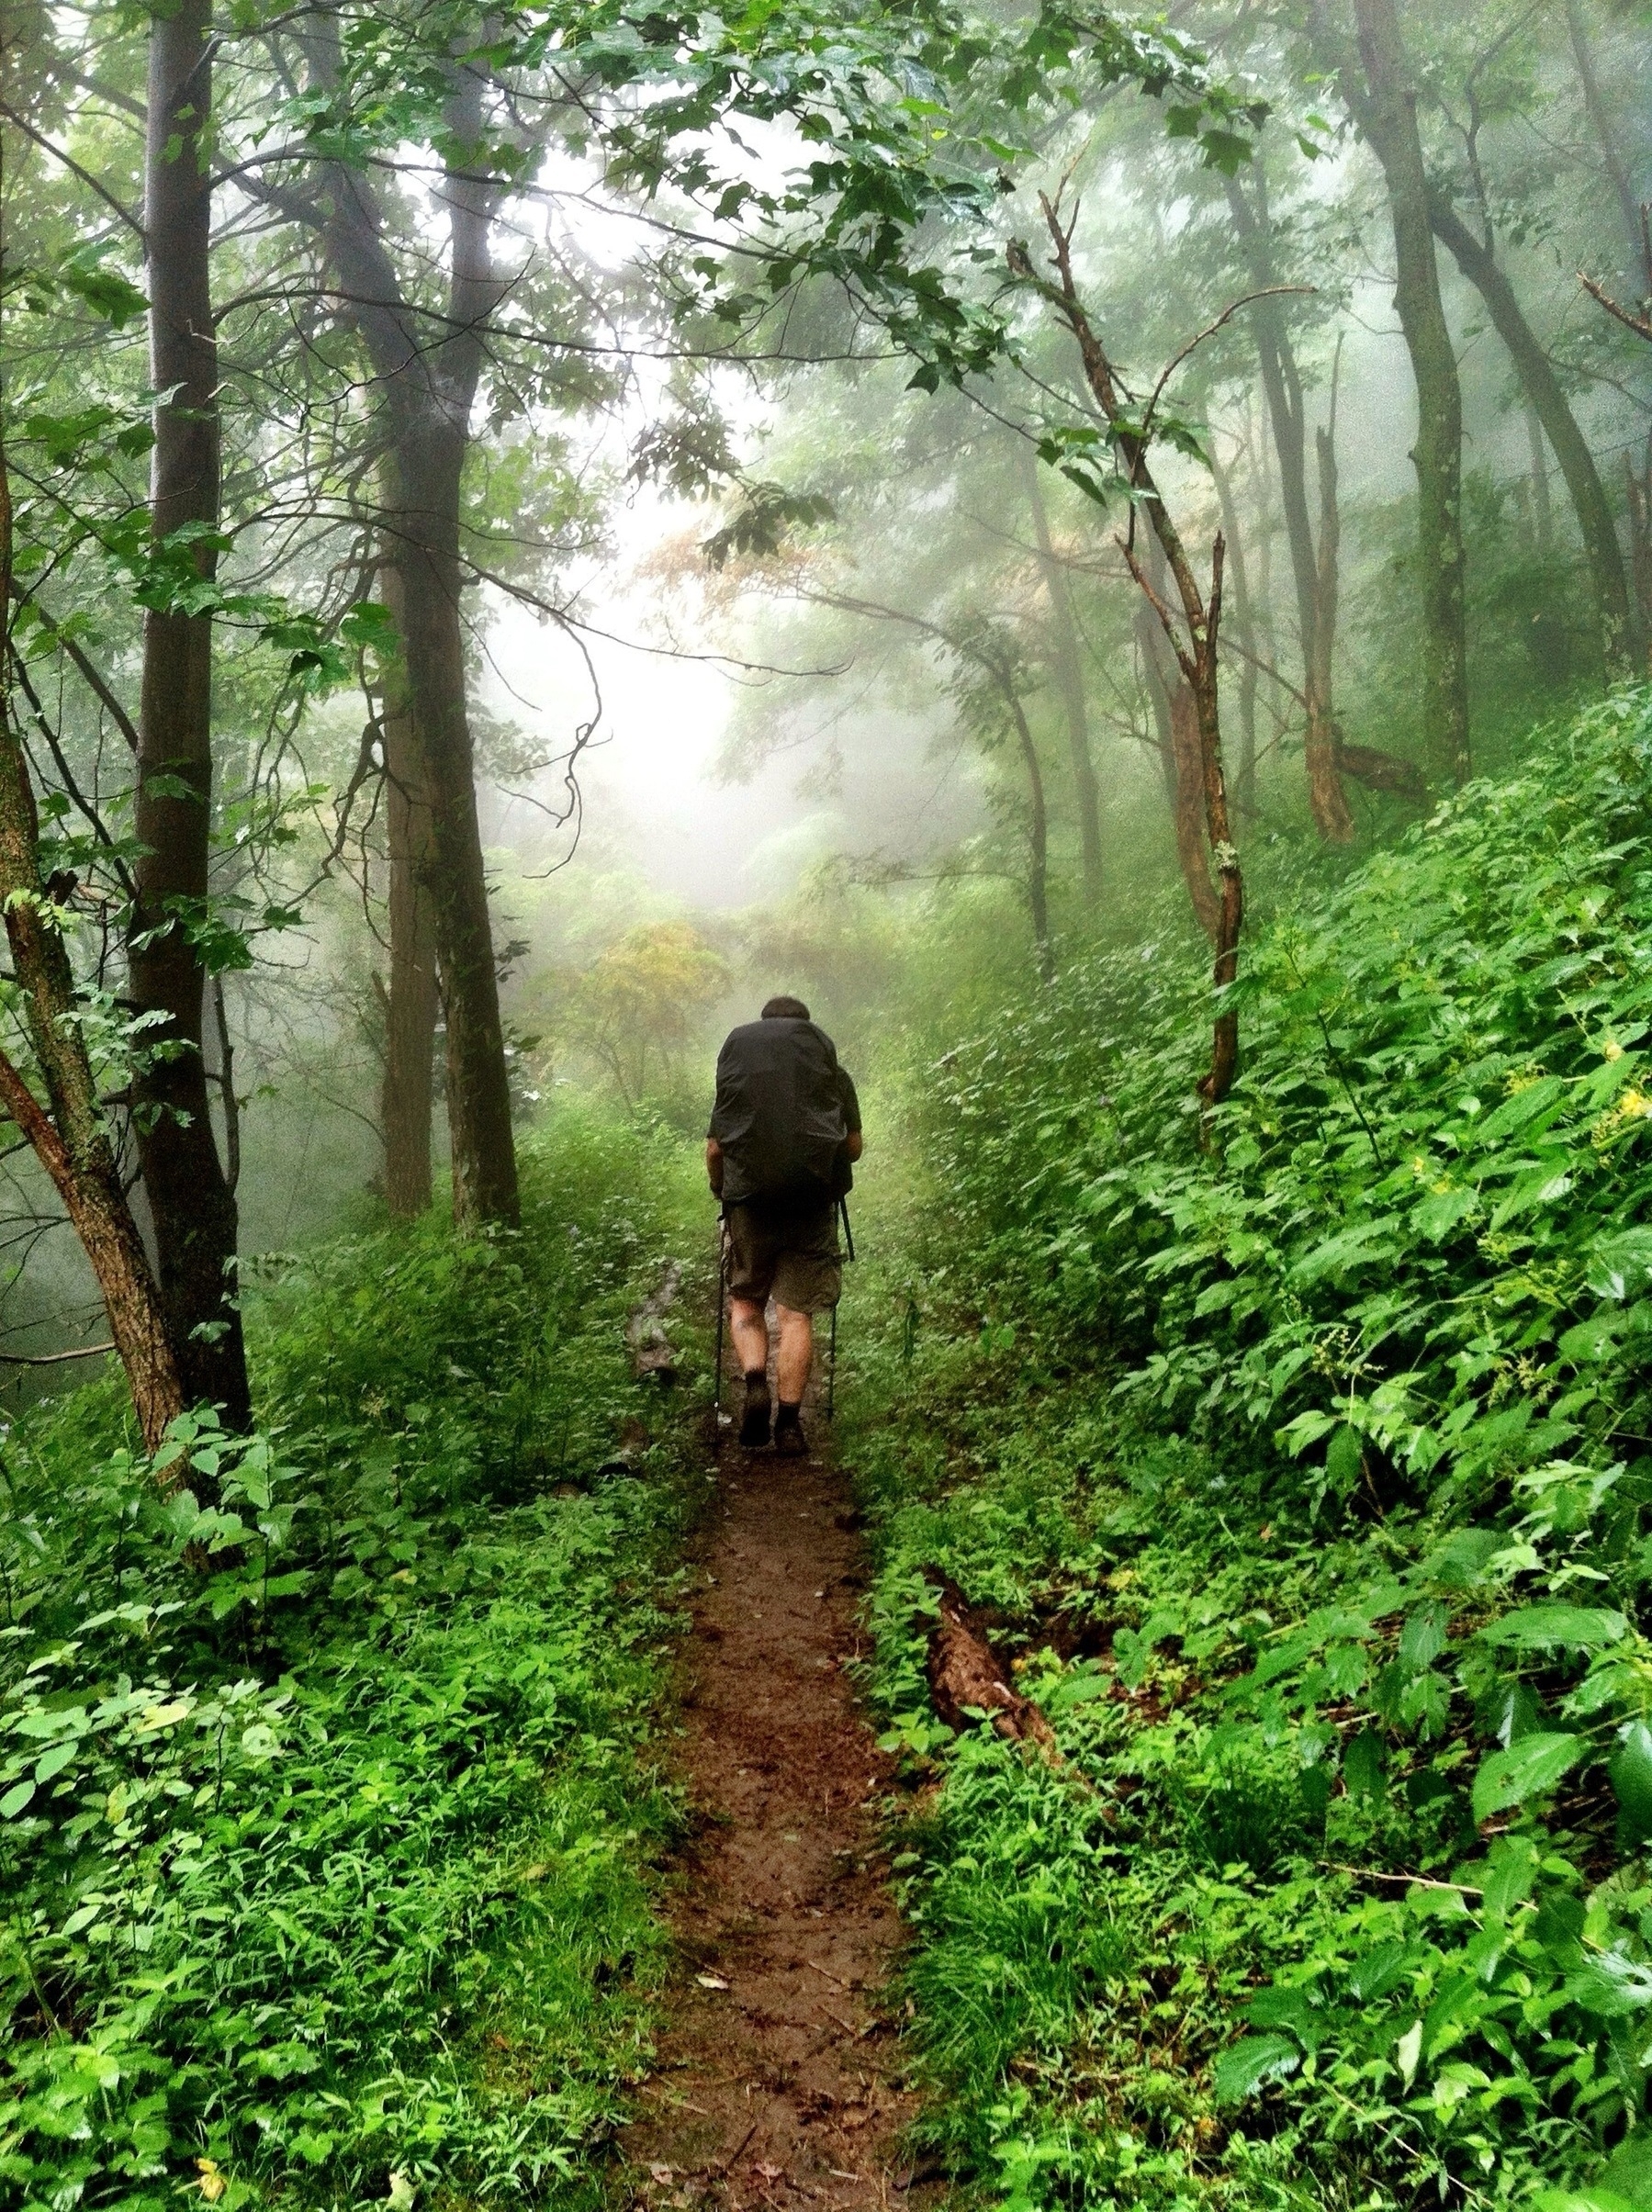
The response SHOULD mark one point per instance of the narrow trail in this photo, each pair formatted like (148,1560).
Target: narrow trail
(777,2078)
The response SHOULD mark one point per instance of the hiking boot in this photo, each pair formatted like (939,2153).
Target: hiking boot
(753,1421)
(788,1439)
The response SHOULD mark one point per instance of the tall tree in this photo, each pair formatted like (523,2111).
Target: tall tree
(1377,84)
(191,1205)
(1616,619)
(69,1133)
(412,996)
(426,368)
(1282,387)
(1637,238)
(1066,658)
(1193,637)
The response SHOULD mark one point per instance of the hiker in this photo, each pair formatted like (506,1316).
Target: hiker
(784,1133)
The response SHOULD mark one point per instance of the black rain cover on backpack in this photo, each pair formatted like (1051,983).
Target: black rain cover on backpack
(779,1114)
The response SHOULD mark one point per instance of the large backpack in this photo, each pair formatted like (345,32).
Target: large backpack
(779,1115)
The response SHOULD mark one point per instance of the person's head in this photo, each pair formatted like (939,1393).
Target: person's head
(785,1009)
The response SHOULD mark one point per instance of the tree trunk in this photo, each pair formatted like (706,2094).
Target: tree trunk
(412,999)
(1639,495)
(1038,841)
(1542,519)
(1387,113)
(1618,644)
(190,1202)
(1640,263)
(1189,810)
(1201,618)
(1282,386)
(1068,663)
(427,371)
(1244,626)
(426,467)
(1322,744)
(71,1141)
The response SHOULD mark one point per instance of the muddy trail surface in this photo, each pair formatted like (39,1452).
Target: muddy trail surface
(778,2080)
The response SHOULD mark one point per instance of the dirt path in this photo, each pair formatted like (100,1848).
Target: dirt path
(777,2082)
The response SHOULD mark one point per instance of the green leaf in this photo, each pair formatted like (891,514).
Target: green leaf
(1525,1769)
(1242,2070)
(1627,2174)
(16,1798)
(1631,1773)
(1596,2199)
(1612,1986)
(1622,1264)
(1363,1765)
(56,1759)
(1343,1457)
(1556,1628)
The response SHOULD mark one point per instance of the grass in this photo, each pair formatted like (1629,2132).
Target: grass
(327,1878)
(1302,1475)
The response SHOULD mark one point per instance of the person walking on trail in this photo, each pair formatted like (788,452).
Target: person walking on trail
(785,1131)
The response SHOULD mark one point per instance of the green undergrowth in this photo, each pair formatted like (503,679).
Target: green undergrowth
(325,1876)
(1302,1465)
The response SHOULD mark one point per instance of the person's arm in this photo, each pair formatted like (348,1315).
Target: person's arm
(714,1166)
(855,1146)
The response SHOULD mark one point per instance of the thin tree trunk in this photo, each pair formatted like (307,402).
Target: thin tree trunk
(1068,663)
(427,470)
(69,1135)
(1639,493)
(412,1001)
(1189,810)
(1616,641)
(1201,616)
(1386,111)
(190,1203)
(1324,742)
(1282,386)
(1244,624)
(1639,263)
(1542,516)
(1037,840)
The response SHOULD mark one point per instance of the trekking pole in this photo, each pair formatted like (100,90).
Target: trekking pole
(848,1238)
(722,1278)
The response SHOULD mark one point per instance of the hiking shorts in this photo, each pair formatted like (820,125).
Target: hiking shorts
(785,1252)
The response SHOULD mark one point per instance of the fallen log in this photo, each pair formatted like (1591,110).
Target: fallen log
(966,1675)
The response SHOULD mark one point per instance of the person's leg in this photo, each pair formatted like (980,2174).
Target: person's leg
(796,1355)
(749,1329)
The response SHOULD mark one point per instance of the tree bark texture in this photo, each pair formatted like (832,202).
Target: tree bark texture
(1067,662)
(1282,388)
(191,1205)
(427,371)
(1386,111)
(69,1135)
(1616,640)
(1244,625)
(1640,263)
(1196,651)
(1322,742)
(1190,808)
(1038,839)
(412,999)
